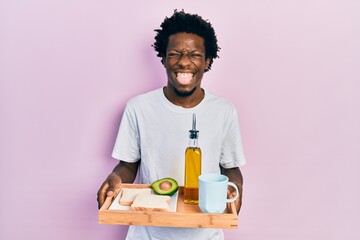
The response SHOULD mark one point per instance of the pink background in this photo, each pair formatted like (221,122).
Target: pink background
(291,67)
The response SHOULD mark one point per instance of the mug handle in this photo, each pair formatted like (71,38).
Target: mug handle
(237,193)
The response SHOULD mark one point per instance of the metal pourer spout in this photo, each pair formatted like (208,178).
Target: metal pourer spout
(194,134)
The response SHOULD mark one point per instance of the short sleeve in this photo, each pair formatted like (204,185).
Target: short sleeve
(127,147)
(232,154)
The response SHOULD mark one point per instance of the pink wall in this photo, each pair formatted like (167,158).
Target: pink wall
(291,67)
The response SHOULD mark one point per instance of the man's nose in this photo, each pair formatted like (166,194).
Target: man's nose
(184,60)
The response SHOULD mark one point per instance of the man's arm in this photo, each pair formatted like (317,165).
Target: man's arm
(123,172)
(235,176)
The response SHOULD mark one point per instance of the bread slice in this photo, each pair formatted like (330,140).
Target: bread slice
(146,202)
(128,195)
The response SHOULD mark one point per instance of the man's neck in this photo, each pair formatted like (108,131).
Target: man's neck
(184,101)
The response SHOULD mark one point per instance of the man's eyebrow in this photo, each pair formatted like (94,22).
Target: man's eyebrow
(179,50)
(196,50)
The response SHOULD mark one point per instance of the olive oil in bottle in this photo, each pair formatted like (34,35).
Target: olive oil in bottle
(192,166)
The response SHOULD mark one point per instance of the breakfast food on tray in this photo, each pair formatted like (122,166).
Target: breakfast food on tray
(146,202)
(129,194)
(144,199)
(165,186)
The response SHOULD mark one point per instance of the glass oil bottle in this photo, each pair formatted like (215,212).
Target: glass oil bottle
(192,166)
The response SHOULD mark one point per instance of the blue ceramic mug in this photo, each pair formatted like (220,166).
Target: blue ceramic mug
(213,192)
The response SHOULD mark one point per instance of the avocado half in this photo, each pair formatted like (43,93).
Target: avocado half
(165,186)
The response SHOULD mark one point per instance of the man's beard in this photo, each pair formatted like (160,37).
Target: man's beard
(184,94)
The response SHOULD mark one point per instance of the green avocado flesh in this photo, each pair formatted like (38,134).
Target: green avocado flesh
(165,186)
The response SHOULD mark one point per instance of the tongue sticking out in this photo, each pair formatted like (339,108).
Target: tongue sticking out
(184,78)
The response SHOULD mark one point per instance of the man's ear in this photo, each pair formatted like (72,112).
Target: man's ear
(207,63)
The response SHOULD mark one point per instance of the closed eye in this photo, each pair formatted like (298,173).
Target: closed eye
(173,54)
(195,55)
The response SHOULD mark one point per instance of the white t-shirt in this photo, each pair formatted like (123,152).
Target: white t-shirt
(157,132)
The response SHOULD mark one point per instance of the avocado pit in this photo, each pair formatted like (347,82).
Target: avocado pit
(165,185)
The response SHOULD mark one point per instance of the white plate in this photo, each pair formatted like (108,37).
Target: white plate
(117,206)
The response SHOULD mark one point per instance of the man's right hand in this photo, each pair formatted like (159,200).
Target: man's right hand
(109,188)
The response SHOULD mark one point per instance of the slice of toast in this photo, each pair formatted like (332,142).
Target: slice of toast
(129,194)
(146,202)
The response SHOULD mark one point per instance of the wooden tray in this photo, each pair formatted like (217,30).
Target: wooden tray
(186,215)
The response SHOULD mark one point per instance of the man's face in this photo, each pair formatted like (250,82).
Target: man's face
(185,62)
